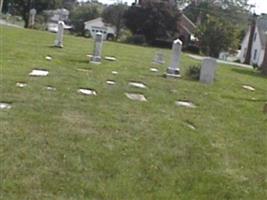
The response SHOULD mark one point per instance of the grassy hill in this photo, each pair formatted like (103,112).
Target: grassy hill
(63,145)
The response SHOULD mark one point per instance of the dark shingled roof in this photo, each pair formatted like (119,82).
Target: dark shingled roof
(262,26)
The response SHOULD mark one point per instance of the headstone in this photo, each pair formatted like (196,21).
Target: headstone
(136,97)
(96,59)
(110,58)
(114,72)
(49,58)
(174,70)
(60,35)
(152,69)
(250,88)
(208,69)
(21,85)
(185,104)
(4,106)
(88,92)
(137,85)
(39,72)
(110,82)
(159,58)
(32,17)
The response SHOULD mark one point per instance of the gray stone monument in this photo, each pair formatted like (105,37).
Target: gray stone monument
(96,59)
(159,58)
(208,69)
(174,70)
(32,17)
(60,35)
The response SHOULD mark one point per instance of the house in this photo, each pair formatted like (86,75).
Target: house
(97,25)
(253,46)
(185,26)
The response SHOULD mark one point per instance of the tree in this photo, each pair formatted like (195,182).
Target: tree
(113,15)
(83,13)
(155,20)
(22,7)
(211,16)
(216,35)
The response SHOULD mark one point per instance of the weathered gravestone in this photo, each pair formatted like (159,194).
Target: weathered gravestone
(174,70)
(208,69)
(159,58)
(32,15)
(60,35)
(96,59)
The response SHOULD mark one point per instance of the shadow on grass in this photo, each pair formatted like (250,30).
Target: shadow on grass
(249,72)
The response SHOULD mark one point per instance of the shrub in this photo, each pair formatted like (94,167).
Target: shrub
(136,39)
(193,72)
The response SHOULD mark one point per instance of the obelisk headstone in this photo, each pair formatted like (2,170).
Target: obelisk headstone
(174,69)
(60,35)
(32,15)
(96,59)
(208,69)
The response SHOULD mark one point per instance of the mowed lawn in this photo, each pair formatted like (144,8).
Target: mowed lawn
(64,145)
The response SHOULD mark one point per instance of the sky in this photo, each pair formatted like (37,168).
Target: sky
(261,5)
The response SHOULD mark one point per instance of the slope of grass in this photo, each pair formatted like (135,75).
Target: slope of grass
(63,145)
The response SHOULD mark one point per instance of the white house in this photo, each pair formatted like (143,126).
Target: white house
(255,45)
(97,25)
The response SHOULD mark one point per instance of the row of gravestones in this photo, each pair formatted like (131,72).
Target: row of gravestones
(207,71)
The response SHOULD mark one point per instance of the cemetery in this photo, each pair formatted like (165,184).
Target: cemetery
(95,119)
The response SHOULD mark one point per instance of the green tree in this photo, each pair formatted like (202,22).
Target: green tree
(22,7)
(113,15)
(83,13)
(216,35)
(155,20)
(221,23)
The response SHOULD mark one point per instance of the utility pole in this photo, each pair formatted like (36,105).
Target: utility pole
(1,5)
(264,64)
(250,40)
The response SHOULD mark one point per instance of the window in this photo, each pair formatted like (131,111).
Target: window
(255,54)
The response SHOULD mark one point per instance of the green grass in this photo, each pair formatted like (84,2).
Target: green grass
(62,145)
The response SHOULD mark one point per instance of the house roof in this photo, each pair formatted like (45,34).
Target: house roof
(262,27)
(94,20)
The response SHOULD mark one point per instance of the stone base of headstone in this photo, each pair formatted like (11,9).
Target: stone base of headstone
(95,60)
(172,73)
(58,44)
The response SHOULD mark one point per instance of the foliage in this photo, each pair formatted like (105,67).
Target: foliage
(22,7)
(216,35)
(113,15)
(212,15)
(136,39)
(155,20)
(193,72)
(83,13)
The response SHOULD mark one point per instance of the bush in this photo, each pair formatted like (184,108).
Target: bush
(193,72)
(136,39)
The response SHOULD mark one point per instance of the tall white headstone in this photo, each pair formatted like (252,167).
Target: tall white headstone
(174,69)
(32,17)
(208,69)
(159,58)
(60,35)
(96,59)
